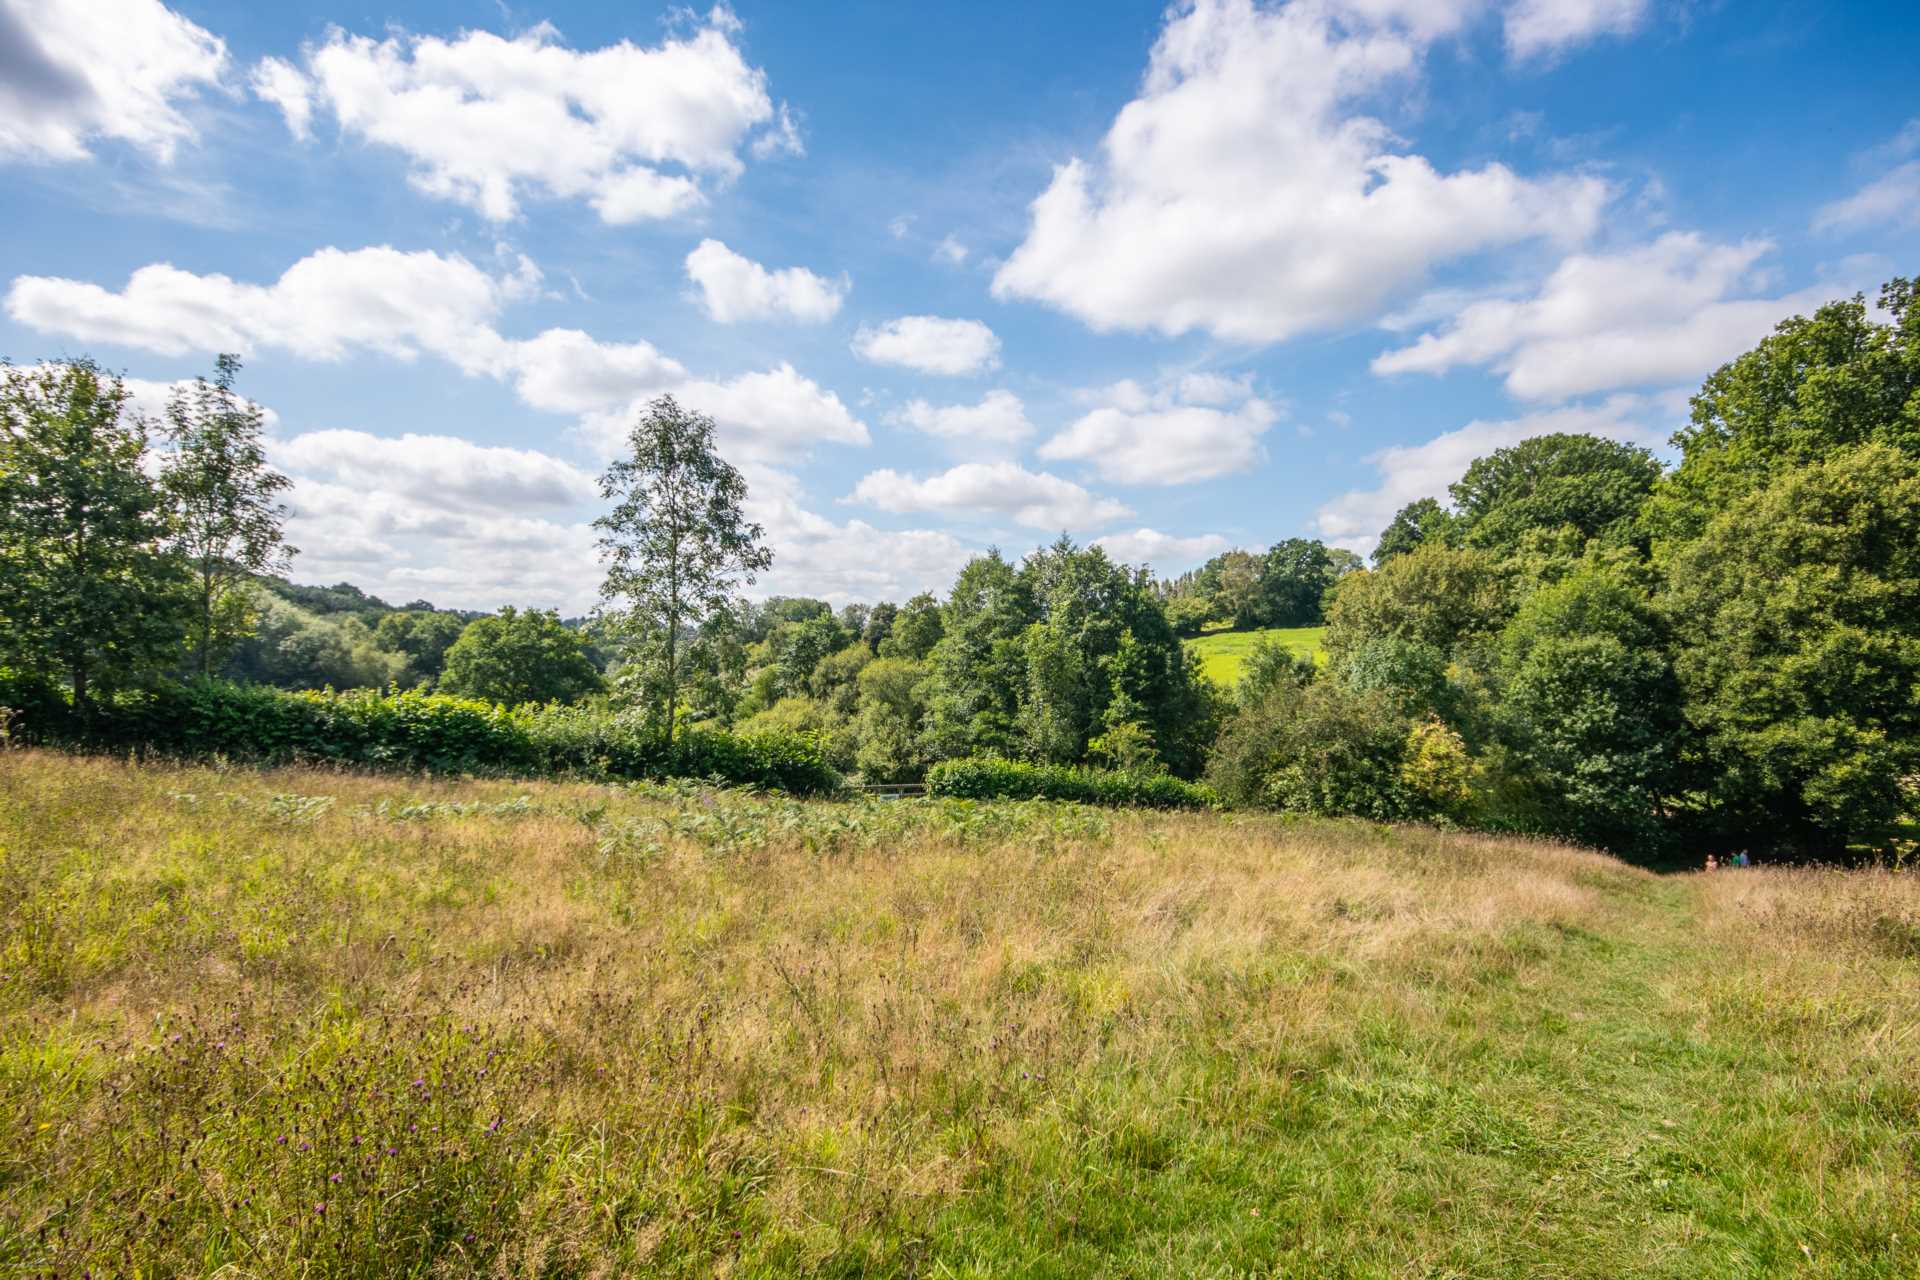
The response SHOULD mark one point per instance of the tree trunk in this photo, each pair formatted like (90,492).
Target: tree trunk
(673,674)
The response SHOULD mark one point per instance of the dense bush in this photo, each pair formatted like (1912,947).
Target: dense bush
(1329,749)
(991,778)
(415,731)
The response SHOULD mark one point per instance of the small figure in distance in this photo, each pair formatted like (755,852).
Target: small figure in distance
(1713,863)
(1740,859)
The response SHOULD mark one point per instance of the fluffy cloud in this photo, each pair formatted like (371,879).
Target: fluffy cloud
(278,81)
(486,120)
(335,302)
(1031,498)
(999,419)
(1652,315)
(442,469)
(408,545)
(321,307)
(815,556)
(1241,192)
(1169,436)
(773,414)
(1892,199)
(1541,28)
(733,288)
(72,71)
(1164,552)
(929,344)
(1411,472)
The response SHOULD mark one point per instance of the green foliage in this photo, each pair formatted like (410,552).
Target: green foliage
(226,507)
(798,648)
(1189,615)
(1571,488)
(520,656)
(1590,710)
(979,665)
(1438,770)
(1815,387)
(811,718)
(992,778)
(1324,749)
(292,647)
(891,719)
(88,595)
(416,731)
(1294,578)
(1421,521)
(1269,664)
(421,637)
(1434,595)
(1798,609)
(677,543)
(1227,582)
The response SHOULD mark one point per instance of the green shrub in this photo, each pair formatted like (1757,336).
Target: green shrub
(416,731)
(992,778)
(1324,749)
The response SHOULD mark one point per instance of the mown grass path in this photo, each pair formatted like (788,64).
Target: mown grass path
(1592,1102)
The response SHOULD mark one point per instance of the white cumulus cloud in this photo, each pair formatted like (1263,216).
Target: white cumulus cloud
(380,300)
(1162,552)
(486,120)
(73,71)
(1034,499)
(930,344)
(1197,430)
(999,419)
(1542,28)
(734,288)
(1655,314)
(1244,193)
(440,469)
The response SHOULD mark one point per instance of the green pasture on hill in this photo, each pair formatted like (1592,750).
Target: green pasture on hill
(1223,652)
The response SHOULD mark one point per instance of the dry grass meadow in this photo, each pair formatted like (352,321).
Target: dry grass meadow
(302,1023)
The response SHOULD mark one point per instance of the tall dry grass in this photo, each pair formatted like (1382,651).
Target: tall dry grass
(316,1023)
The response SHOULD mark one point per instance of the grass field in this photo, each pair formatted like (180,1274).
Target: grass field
(305,1023)
(1222,652)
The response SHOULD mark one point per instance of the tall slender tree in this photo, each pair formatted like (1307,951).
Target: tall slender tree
(677,543)
(88,594)
(227,512)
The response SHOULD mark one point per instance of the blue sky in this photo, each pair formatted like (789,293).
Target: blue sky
(1173,279)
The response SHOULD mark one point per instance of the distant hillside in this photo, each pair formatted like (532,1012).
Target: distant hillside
(1223,652)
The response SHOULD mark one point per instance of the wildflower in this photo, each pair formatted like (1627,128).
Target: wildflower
(333,1177)
(320,1206)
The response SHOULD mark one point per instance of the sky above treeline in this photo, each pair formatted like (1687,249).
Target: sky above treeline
(946,276)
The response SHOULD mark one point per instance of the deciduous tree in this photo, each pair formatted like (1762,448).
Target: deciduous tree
(677,543)
(226,508)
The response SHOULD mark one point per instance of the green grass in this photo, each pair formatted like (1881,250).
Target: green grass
(1223,652)
(318,1024)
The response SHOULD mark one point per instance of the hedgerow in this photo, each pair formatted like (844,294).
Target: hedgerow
(412,731)
(991,778)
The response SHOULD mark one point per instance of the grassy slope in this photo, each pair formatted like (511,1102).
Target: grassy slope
(1222,652)
(590,1032)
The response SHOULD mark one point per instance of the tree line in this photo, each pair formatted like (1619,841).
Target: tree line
(1582,642)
